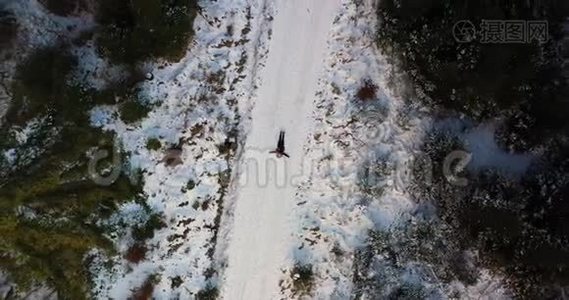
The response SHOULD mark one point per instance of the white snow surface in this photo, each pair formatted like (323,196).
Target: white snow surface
(260,242)
(479,140)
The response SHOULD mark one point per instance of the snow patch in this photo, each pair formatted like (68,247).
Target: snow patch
(481,142)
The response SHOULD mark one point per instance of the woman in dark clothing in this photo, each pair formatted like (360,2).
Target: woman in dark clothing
(280,151)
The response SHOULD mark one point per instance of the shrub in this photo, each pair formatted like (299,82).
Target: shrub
(367,91)
(62,7)
(47,252)
(145,291)
(176,282)
(44,73)
(136,253)
(115,92)
(480,80)
(8,29)
(153,144)
(190,185)
(137,30)
(210,292)
(41,84)
(131,110)
(303,279)
(408,291)
(52,184)
(146,231)
(51,248)
(515,225)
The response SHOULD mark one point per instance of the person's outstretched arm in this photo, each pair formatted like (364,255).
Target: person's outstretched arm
(286,155)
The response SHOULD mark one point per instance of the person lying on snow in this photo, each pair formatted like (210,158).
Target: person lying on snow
(280,151)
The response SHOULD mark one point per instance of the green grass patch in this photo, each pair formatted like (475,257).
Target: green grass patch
(33,253)
(52,246)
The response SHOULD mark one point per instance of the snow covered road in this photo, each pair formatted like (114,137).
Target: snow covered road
(261,241)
